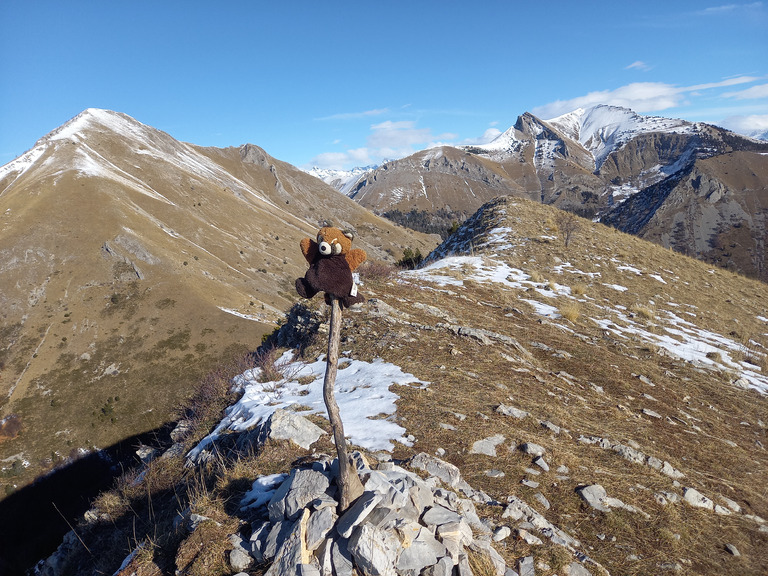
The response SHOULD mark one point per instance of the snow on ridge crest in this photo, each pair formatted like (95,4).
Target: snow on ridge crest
(87,158)
(507,140)
(602,129)
(23,162)
(85,119)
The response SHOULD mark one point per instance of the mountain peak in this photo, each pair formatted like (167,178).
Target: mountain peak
(602,129)
(97,119)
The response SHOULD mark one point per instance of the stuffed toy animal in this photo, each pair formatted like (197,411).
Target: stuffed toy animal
(331,261)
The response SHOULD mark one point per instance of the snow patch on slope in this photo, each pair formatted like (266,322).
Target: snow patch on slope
(362,392)
(678,337)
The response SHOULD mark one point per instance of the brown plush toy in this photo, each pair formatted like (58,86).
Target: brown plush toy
(331,261)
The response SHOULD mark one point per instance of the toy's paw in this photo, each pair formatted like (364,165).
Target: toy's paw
(304,289)
(348,301)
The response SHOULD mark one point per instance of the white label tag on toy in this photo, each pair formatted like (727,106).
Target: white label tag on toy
(353,292)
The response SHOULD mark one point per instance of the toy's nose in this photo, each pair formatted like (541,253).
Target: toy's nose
(325,249)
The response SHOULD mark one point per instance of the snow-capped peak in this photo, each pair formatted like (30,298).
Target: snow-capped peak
(507,140)
(570,123)
(602,129)
(114,122)
(343,180)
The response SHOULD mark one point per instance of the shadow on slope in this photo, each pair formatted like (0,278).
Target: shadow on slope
(37,516)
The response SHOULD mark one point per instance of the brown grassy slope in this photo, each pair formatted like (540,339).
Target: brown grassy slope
(588,379)
(118,259)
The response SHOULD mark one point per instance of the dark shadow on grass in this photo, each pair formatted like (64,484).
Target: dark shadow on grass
(34,519)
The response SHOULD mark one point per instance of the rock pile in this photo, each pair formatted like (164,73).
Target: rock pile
(402,524)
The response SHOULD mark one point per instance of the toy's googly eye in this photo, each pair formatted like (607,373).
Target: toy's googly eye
(336,248)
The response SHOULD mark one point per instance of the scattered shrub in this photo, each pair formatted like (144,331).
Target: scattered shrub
(749,352)
(579,289)
(568,224)
(265,359)
(644,312)
(715,356)
(570,311)
(376,270)
(410,259)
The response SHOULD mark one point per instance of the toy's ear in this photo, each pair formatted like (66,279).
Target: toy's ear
(349,234)
(309,249)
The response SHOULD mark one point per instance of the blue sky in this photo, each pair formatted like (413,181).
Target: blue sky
(344,84)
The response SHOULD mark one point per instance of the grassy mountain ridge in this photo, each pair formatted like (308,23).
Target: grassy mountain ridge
(131,265)
(634,367)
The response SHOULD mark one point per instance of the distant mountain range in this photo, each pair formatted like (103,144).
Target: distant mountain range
(343,180)
(620,124)
(694,187)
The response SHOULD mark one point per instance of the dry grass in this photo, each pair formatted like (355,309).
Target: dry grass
(570,311)
(376,270)
(573,376)
(752,352)
(643,311)
(536,277)
(480,565)
(579,289)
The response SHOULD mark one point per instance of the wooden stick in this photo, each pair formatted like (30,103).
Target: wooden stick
(331,368)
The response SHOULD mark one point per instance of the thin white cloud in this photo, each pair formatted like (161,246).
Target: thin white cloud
(728,8)
(343,160)
(355,115)
(746,124)
(488,136)
(639,96)
(638,65)
(387,140)
(402,134)
(760,91)
(722,84)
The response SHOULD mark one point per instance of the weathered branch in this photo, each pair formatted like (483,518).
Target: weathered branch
(349,483)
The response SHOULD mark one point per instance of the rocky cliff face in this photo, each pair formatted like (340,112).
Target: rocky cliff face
(715,210)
